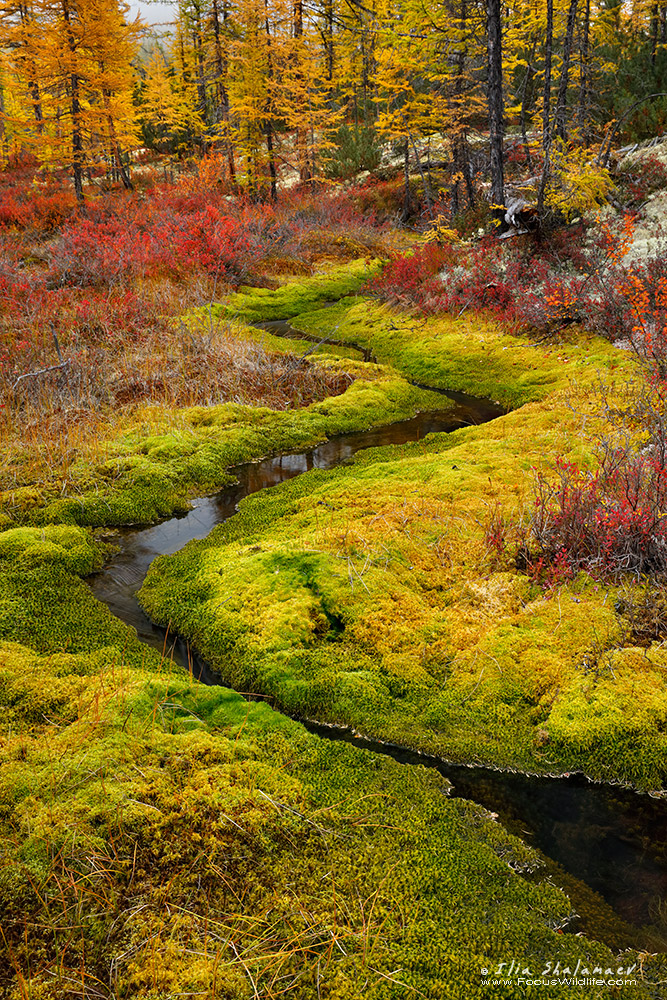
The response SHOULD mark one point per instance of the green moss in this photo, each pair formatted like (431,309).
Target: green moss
(469,355)
(297,296)
(45,604)
(148,822)
(136,805)
(54,545)
(367,596)
(151,470)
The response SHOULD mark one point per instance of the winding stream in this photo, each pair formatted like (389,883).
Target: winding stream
(612,840)
(283,328)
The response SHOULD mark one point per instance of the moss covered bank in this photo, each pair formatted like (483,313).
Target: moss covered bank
(161,838)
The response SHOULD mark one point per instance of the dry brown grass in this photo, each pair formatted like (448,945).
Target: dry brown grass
(82,392)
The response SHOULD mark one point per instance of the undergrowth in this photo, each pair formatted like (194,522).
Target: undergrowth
(160,837)
(91,301)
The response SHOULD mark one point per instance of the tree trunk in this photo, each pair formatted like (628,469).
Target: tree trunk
(546,107)
(405,215)
(221,67)
(584,99)
(268,124)
(301,135)
(546,100)
(198,51)
(526,95)
(495,99)
(328,36)
(561,100)
(75,111)
(28,27)
(427,189)
(272,159)
(459,141)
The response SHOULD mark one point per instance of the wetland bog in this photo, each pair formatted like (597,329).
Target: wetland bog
(364,596)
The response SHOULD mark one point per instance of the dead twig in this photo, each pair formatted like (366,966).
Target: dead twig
(40,371)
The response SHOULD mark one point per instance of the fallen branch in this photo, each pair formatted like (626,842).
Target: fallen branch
(40,371)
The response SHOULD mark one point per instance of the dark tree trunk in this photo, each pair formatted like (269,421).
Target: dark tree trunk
(272,160)
(198,49)
(28,26)
(328,37)
(546,100)
(75,111)
(526,99)
(406,183)
(301,139)
(268,124)
(221,68)
(495,99)
(425,182)
(546,107)
(459,142)
(584,99)
(561,100)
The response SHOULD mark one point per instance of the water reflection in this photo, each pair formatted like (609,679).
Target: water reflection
(612,840)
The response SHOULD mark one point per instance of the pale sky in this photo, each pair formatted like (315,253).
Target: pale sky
(153,12)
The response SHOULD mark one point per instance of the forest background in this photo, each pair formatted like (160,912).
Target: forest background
(314,92)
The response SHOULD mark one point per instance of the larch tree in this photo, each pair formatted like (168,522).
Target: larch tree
(167,110)
(74,60)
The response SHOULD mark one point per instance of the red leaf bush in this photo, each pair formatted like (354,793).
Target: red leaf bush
(607,522)
(614,520)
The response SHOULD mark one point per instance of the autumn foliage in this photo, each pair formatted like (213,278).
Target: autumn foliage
(92,303)
(613,519)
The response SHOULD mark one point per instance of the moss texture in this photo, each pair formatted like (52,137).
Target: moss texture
(149,472)
(466,354)
(298,296)
(166,837)
(370,596)
(161,838)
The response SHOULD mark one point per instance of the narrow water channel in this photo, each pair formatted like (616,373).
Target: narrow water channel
(283,328)
(607,838)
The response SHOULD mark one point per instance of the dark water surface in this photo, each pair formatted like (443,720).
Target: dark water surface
(119,581)
(609,838)
(283,328)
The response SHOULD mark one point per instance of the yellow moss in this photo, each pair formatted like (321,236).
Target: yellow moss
(392,623)
(479,604)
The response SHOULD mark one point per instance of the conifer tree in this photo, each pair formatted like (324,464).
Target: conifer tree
(74,68)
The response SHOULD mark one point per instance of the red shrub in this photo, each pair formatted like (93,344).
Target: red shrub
(201,241)
(135,244)
(606,522)
(410,280)
(640,179)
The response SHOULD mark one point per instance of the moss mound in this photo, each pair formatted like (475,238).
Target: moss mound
(150,471)
(298,296)
(162,837)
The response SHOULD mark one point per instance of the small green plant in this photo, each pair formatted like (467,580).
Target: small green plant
(356,148)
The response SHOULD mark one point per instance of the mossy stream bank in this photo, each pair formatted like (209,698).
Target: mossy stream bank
(161,837)
(563,817)
(444,646)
